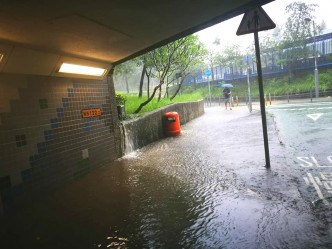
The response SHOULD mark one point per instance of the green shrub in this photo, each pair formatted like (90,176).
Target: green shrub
(120,98)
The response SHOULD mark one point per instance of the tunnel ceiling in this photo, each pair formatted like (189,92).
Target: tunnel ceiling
(109,30)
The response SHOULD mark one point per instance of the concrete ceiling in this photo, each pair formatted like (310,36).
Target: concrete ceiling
(109,30)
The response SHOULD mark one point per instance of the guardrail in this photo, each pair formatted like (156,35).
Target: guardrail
(269,98)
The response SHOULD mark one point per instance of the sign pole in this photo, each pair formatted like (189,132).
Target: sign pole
(261,96)
(209,91)
(249,96)
(208,74)
(253,21)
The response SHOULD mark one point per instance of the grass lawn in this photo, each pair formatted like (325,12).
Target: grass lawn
(275,87)
(133,103)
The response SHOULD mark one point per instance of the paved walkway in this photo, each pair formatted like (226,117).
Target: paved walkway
(207,188)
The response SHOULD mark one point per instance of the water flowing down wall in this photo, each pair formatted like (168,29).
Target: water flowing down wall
(149,128)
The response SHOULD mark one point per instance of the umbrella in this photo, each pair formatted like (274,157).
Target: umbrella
(227,85)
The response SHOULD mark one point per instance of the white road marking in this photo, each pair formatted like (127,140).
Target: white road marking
(250,191)
(306,180)
(318,181)
(318,165)
(311,108)
(301,104)
(326,185)
(303,159)
(319,193)
(314,116)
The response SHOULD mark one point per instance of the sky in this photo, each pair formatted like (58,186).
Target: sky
(226,30)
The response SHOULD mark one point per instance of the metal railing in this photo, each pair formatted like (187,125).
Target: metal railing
(270,99)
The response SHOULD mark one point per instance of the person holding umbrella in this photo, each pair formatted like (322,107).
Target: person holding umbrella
(227,94)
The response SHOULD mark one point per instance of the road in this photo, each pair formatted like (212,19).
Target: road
(305,129)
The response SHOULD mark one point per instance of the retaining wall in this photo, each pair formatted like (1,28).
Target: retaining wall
(149,128)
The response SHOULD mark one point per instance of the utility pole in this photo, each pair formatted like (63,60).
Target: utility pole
(316,69)
(315,55)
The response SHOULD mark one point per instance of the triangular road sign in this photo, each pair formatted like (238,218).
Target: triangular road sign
(255,20)
(315,116)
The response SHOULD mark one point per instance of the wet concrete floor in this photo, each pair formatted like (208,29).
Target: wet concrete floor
(207,188)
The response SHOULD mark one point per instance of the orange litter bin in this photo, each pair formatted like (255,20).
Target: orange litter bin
(172,123)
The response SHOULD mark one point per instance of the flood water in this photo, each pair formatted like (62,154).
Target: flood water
(204,189)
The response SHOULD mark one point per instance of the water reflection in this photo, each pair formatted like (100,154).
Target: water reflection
(180,192)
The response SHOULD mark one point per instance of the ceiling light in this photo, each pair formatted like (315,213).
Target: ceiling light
(78,69)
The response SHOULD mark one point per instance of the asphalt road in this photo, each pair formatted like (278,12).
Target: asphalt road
(305,129)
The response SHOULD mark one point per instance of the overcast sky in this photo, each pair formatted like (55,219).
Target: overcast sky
(225,31)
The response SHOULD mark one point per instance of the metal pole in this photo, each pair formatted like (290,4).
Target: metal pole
(261,95)
(209,91)
(270,98)
(311,93)
(288,96)
(265,99)
(249,96)
(316,70)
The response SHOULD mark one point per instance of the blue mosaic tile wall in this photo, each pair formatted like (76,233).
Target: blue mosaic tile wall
(44,141)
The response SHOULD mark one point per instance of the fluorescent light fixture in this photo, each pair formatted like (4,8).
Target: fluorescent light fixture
(78,69)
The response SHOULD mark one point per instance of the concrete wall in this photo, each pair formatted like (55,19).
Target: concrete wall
(44,140)
(149,128)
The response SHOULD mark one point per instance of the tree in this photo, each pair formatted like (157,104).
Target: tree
(322,25)
(211,59)
(233,57)
(221,60)
(196,70)
(191,54)
(297,31)
(268,47)
(166,60)
(124,70)
(140,90)
(145,61)
(216,41)
(250,57)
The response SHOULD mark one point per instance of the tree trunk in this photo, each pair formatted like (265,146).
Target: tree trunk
(178,89)
(141,82)
(166,92)
(149,99)
(148,83)
(159,96)
(127,85)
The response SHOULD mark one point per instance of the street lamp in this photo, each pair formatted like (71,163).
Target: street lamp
(316,70)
